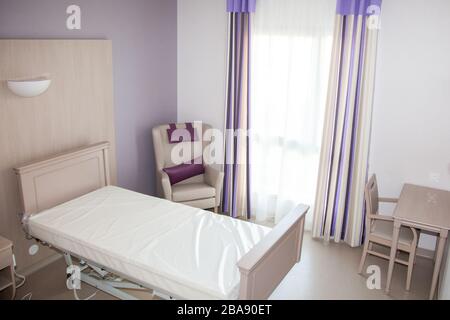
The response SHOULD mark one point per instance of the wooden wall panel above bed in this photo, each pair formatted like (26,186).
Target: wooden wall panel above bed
(77,110)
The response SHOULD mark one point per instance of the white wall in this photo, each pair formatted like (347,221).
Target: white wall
(411,124)
(202,46)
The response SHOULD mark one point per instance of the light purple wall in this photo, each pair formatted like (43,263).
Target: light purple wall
(144,37)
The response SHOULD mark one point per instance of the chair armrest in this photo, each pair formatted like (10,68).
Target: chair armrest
(166,186)
(214,178)
(388,200)
(380,217)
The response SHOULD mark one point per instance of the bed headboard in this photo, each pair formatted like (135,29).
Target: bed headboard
(63,177)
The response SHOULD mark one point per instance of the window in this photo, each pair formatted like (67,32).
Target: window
(290,63)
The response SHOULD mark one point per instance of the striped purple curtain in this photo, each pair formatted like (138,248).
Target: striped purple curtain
(236,194)
(339,210)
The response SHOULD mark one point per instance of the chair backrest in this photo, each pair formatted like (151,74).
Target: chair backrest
(371,196)
(163,149)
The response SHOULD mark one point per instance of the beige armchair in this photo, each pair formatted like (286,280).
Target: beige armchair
(201,191)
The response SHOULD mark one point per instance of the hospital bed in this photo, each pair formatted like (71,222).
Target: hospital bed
(134,241)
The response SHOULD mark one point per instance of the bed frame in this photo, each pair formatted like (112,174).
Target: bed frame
(61,178)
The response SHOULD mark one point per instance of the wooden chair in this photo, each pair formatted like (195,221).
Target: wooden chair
(379,230)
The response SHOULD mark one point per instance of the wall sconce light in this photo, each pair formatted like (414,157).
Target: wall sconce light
(29,88)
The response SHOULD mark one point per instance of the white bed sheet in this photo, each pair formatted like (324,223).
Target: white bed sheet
(185,251)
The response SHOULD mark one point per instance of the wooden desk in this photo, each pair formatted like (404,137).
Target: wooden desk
(426,209)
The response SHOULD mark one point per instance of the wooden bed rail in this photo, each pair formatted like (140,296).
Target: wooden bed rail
(63,177)
(266,264)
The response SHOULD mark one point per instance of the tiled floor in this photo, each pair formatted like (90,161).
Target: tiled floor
(326,271)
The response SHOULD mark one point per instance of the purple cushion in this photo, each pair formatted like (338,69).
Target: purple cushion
(185,171)
(177,135)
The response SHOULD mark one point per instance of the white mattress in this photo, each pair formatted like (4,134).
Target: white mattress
(185,251)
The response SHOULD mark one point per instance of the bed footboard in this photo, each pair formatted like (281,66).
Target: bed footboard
(266,264)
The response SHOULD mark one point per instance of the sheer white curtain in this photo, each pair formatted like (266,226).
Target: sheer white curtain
(290,63)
